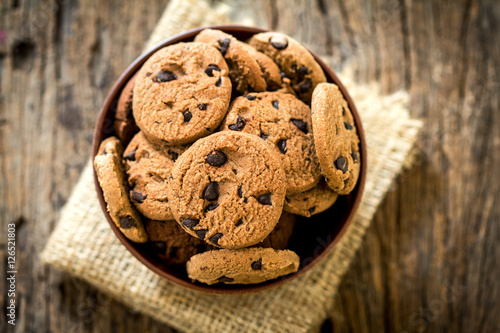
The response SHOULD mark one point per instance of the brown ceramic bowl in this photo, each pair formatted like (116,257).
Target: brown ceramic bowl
(312,240)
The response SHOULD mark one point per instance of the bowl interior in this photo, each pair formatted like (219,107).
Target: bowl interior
(313,237)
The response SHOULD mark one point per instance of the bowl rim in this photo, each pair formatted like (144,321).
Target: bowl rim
(245,289)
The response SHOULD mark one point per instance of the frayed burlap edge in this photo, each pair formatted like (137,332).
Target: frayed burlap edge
(84,245)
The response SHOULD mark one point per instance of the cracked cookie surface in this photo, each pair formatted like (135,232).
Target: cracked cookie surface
(148,167)
(279,238)
(245,266)
(244,70)
(181,93)
(108,167)
(311,202)
(295,61)
(284,123)
(228,189)
(337,144)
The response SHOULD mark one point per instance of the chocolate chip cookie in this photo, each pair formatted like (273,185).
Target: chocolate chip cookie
(337,144)
(181,93)
(148,167)
(245,266)
(244,70)
(280,236)
(111,177)
(124,123)
(311,202)
(268,67)
(228,189)
(172,244)
(283,122)
(294,60)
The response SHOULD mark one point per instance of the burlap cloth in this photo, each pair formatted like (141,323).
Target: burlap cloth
(84,245)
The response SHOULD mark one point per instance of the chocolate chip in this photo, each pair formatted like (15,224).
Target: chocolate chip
(239,125)
(240,222)
(138,196)
(305,86)
(265,199)
(173,252)
(210,70)
(190,223)
(279,42)
(201,233)
(216,158)
(164,76)
(129,157)
(105,151)
(302,71)
(348,126)
(257,265)
(202,107)
(301,125)
(263,136)
(127,222)
(355,157)
(187,116)
(173,155)
(240,192)
(287,199)
(224,45)
(283,75)
(225,279)
(341,164)
(159,246)
(250,97)
(215,238)
(276,105)
(282,146)
(312,209)
(219,81)
(211,191)
(343,110)
(148,74)
(212,206)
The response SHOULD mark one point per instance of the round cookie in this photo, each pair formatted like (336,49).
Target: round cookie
(268,67)
(278,238)
(111,178)
(284,124)
(148,167)
(228,189)
(294,60)
(337,144)
(124,123)
(181,93)
(245,266)
(244,70)
(311,202)
(172,244)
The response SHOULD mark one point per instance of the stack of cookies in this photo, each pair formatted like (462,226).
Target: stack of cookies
(219,145)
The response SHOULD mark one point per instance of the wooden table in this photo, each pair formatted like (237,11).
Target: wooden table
(430,259)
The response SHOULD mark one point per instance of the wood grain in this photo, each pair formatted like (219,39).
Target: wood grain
(429,261)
